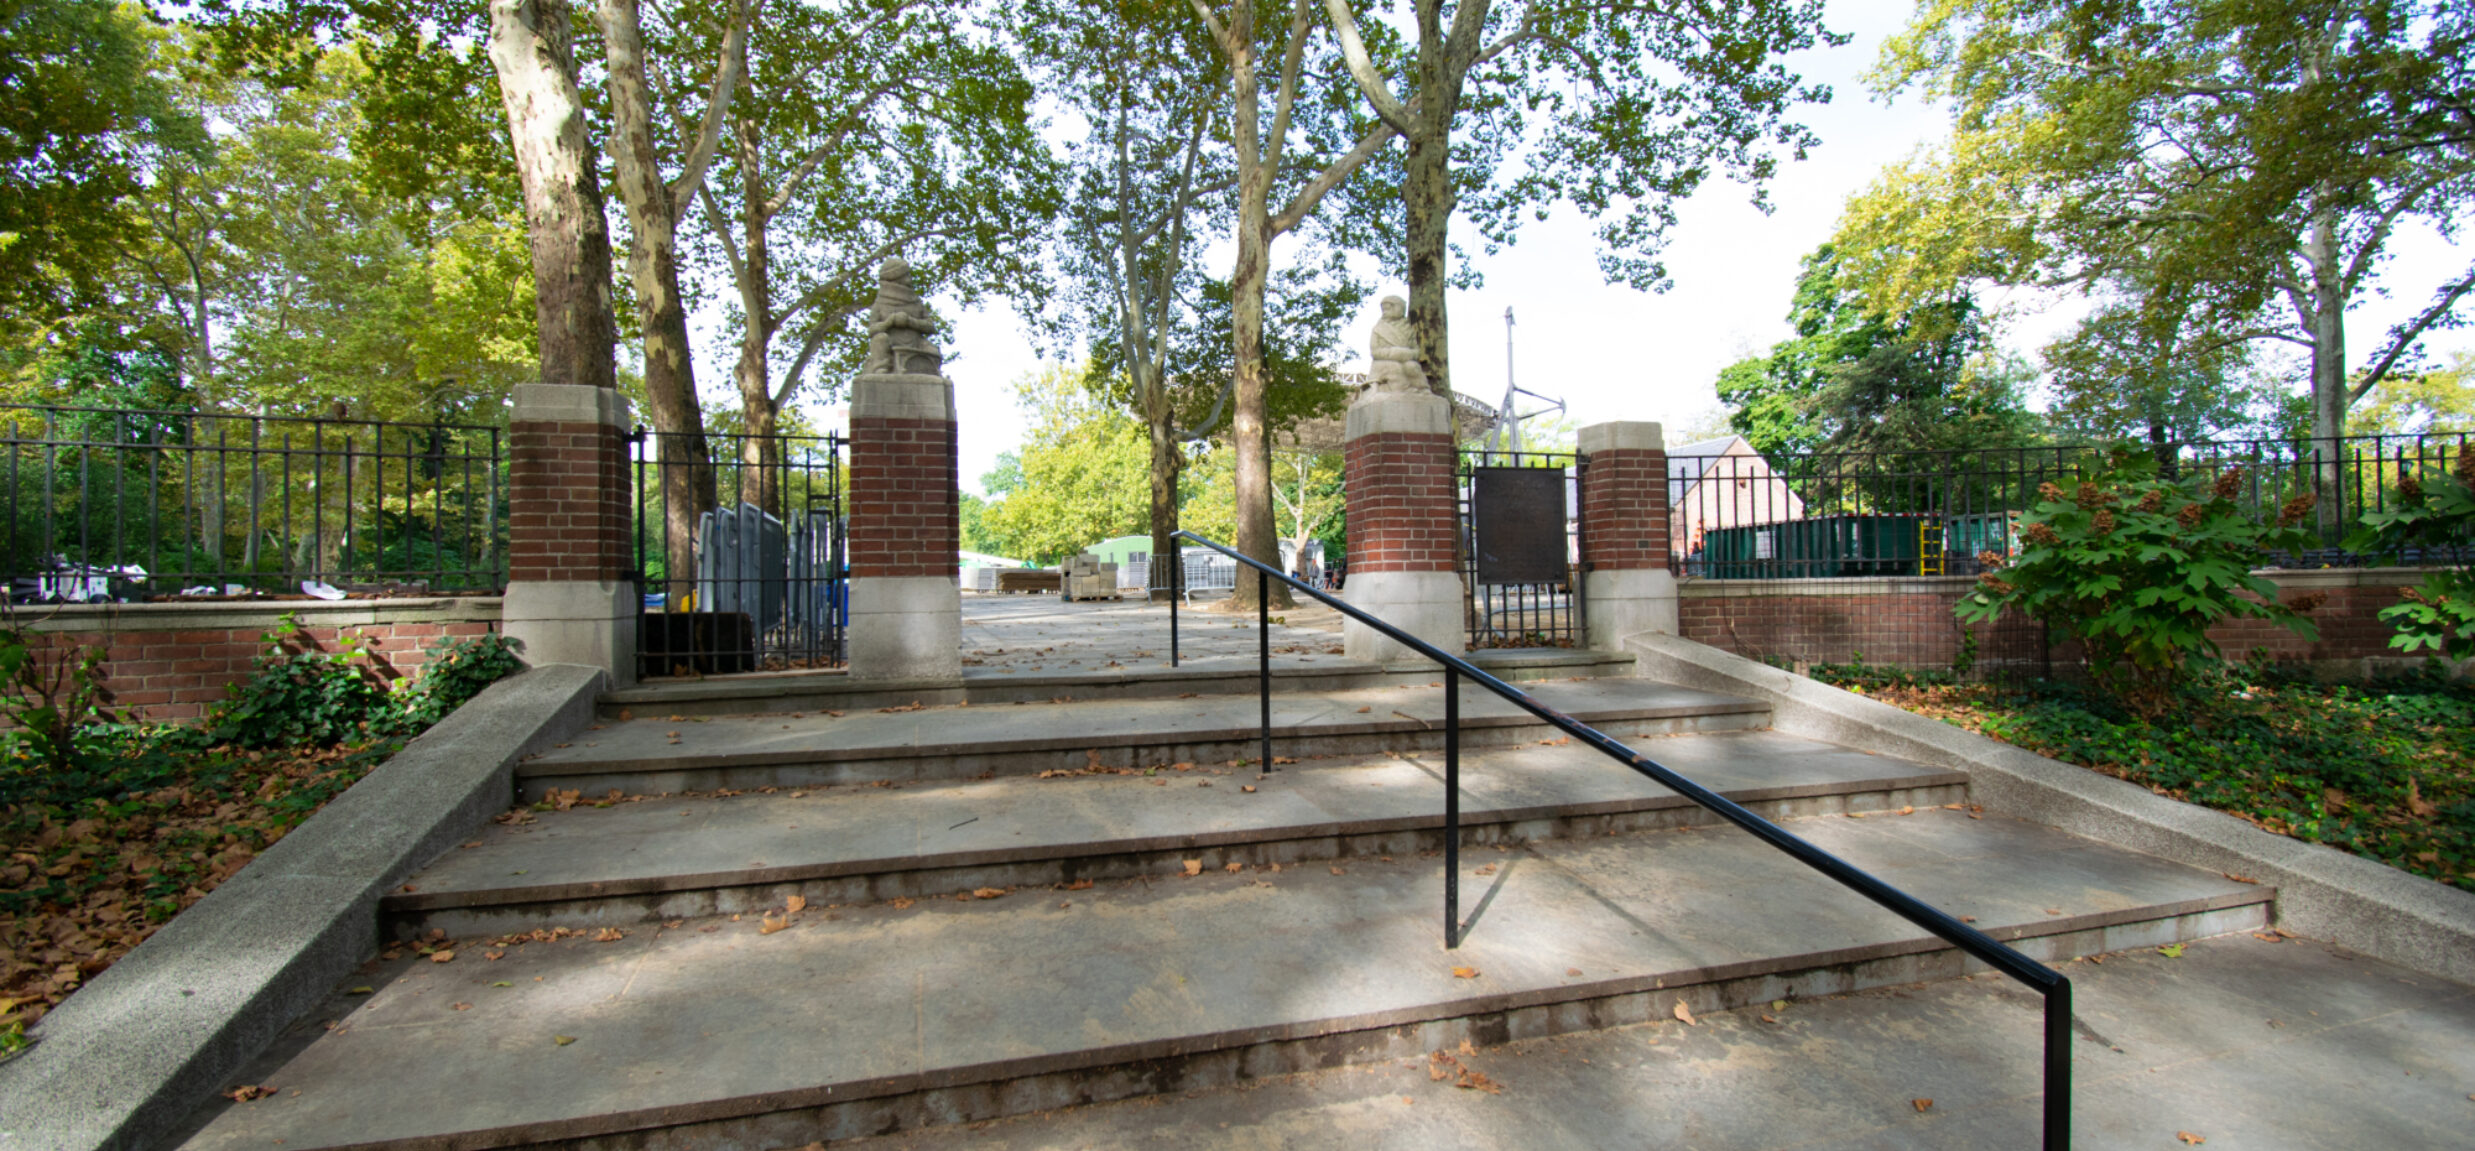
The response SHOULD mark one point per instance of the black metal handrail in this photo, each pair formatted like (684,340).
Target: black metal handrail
(2046,981)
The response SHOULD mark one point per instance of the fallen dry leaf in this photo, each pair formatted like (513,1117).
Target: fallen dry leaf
(442,957)
(1572,971)
(247,1093)
(2238,878)
(796,904)
(1907,811)
(989,892)
(772,923)
(901,902)
(1686,1014)
(562,1040)
(2188,1137)
(1194,867)
(1475,1080)
(1233,867)
(463,1007)
(1465,973)
(1921,1104)
(1364,710)
(1487,870)
(1077,885)
(1337,871)
(1248,788)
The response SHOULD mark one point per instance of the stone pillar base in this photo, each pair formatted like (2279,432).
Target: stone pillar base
(905,627)
(589,622)
(1428,605)
(1625,603)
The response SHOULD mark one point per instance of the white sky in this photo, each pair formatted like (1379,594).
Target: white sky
(1614,353)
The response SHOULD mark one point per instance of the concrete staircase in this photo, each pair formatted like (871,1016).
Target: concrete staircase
(815,911)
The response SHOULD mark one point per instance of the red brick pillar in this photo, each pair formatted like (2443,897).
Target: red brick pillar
(1398,466)
(906,530)
(571,595)
(1626,587)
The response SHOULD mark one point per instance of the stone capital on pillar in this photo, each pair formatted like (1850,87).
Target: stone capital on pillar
(905,531)
(1624,531)
(1404,515)
(571,591)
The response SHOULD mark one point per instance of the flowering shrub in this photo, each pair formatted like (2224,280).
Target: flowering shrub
(2435,514)
(2138,569)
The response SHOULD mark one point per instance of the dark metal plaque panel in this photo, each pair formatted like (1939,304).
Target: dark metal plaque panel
(1520,524)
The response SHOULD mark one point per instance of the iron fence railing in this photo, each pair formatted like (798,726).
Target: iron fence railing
(1845,514)
(1520,548)
(741,552)
(134,504)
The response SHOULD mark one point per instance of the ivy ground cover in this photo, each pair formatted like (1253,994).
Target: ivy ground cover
(2384,770)
(103,842)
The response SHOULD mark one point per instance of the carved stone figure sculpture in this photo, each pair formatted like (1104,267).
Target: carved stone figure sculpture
(1394,352)
(899,327)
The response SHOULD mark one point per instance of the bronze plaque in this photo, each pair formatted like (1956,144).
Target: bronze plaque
(1520,524)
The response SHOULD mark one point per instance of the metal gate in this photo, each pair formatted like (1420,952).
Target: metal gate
(1520,546)
(741,553)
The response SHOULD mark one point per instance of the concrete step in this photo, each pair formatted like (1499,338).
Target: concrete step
(637,862)
(1297,666)
(722,1032)
(676,752)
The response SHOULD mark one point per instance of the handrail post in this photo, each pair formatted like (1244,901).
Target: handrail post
(2058,1065)
(1177,580)
(1452,807)
(1263,663)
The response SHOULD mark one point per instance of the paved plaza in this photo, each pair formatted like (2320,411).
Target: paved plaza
(1010,632)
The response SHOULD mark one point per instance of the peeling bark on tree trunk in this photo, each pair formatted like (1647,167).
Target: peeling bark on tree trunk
(532,48)
(1428,200)
(685,458)
(2329,391)
(758,453)
(1167,461)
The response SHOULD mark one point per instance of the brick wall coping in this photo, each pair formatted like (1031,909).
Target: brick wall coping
(138,617)
(1704,588)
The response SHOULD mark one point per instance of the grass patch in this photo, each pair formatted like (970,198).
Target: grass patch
(106,842)
(2385,770)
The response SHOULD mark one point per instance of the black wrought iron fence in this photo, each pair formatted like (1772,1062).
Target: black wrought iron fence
(1520,548)
(104,504)
(1847,514)
(741,553)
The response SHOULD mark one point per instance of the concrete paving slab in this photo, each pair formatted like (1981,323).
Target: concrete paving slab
(686,843)
(742,751)
(713,1023)
(2388,1061)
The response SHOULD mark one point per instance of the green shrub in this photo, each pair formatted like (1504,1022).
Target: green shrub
(2138,568)
(456,671)
(301,698)
(53,694)
(2435,512)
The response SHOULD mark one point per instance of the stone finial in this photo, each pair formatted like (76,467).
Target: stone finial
(1393,352)
(899,327)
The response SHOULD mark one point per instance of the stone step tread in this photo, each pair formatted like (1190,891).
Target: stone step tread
(689,842)
(647,742)
(716,1019)
(1220,673)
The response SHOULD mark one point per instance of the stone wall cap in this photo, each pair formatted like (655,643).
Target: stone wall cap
(1409,413)
(1623,436)
(569,404)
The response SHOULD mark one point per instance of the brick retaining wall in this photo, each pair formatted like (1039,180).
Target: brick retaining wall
(171,661)
(1908,621)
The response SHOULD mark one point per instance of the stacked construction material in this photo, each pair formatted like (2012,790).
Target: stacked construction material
(1088,577)
(1027,579)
